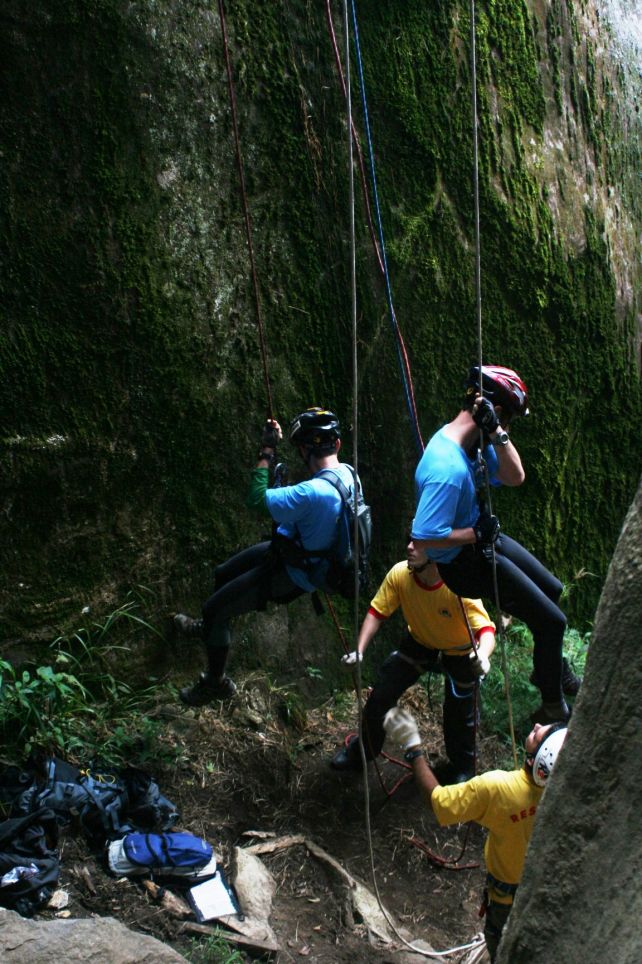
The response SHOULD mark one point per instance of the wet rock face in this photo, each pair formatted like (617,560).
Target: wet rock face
(132,389)
(584,853)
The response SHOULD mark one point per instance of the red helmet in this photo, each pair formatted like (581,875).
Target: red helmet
(502,386)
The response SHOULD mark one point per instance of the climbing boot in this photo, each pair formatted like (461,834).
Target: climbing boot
(348,756)
(206,690)
(557,712)
(448,773)
(570,681)
(187,626)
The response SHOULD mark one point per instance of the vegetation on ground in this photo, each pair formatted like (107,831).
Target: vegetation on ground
(79,704)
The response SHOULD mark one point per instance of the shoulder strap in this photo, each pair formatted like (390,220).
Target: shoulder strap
(333,477)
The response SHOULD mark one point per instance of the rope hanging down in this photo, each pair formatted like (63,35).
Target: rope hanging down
(475,123)
(378,247)
(476,942)
(246,209)
(401,351)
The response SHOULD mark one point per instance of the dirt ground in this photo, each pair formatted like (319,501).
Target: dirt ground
(242,769)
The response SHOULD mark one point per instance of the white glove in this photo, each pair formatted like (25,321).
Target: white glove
(400,726)
(480,664)
(351,658)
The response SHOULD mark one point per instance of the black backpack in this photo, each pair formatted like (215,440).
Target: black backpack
(106,805)
(332,570)
(27,857)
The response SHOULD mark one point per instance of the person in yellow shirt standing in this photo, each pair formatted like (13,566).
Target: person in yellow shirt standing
(503,802)
(438,639)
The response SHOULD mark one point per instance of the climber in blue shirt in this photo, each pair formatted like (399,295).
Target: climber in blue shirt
(305,517)
(454,529)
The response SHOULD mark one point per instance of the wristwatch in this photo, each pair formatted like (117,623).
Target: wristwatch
(500,437)
(267,456)
(413,753)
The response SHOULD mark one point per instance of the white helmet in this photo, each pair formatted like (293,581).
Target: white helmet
(547,753)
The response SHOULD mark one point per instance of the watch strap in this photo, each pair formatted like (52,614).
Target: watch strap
(412,754)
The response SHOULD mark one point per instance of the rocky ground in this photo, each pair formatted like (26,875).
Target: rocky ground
(257,768)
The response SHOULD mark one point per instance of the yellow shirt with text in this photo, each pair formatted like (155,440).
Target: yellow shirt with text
(504,803)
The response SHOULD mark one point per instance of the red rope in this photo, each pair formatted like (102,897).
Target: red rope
(443,861)
(246,209)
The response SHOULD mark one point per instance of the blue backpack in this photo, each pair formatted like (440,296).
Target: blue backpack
(163,850)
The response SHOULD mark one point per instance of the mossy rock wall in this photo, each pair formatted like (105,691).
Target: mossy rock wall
(130,375)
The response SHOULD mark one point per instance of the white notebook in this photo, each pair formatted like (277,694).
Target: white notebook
(213,898)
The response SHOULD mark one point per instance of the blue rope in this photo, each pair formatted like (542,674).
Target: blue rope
(393,318)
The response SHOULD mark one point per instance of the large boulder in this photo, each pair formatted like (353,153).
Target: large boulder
(100,939)
(580,897)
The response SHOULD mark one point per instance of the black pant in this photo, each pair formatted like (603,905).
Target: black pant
(245,583)
(496,917)
(399,672)
(527,590)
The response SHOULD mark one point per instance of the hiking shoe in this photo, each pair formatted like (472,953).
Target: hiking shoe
(187,626)
(570,681)
(206,690)
(449,774)
(348,757)
(551,713)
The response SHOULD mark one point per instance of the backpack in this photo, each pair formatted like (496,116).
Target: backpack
(29,869)
(177,853)
(332,570)
(106,805)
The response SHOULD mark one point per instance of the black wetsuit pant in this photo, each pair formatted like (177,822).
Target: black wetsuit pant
(496,917)
(399,672)
(245,583)
(527,590)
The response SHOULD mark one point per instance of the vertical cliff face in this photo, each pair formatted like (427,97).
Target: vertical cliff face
(131,382)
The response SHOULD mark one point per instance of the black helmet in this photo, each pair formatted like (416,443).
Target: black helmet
(502,386)
(316,428)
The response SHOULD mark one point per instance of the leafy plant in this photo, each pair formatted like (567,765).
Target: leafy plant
(34,701)
(79,705)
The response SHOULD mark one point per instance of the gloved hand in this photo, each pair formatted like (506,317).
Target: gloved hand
(479,664)
(486,528)
(351,659)
(272,434)
(484,415)
(400,726)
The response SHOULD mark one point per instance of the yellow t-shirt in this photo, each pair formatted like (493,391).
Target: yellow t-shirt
(505,803)
(433,613)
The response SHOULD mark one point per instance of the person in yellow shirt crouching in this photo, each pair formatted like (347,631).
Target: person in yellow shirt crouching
(503,802)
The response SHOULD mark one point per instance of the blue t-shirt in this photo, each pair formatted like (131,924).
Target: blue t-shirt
(309,513)
(445,488)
